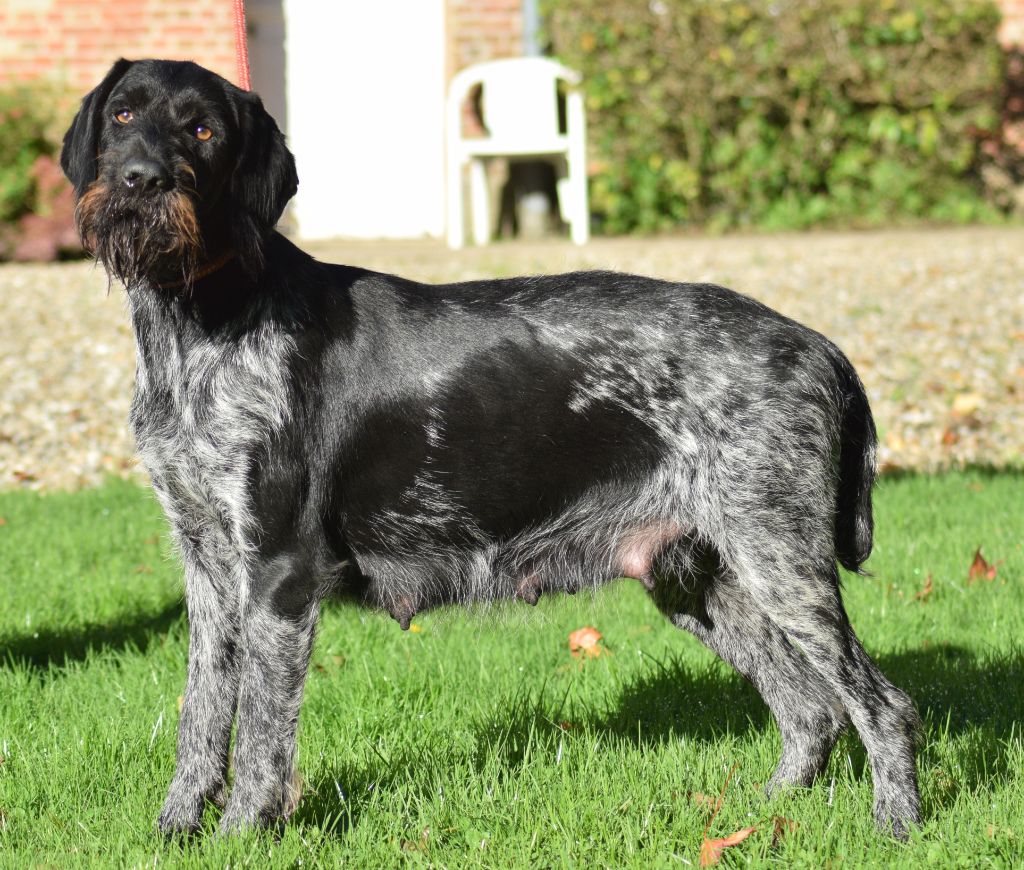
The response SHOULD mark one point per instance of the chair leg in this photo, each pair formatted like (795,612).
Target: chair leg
(563,189)
(578,212)
(579,222)
(456,231)
(478,202)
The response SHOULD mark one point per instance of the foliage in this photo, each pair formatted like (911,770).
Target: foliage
(33,196)
(785,113)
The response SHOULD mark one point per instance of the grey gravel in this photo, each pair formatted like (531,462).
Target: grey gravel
(933,321)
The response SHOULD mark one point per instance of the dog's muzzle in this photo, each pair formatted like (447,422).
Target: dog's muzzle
(141,223)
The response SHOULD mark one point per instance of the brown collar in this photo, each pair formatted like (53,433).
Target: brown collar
(203,271)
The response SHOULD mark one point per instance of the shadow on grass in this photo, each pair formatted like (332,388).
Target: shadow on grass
(55,648)
(975,700)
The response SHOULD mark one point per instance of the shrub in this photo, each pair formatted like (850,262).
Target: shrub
(36,209)
(784,113)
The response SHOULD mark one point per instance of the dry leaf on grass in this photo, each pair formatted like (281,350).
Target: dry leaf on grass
(981,570)
(926,590)
(586,641)
(711,850)
(707,800)
(781,827)
(419,845)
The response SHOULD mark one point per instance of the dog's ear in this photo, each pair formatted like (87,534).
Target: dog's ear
(262,183)
(81,142)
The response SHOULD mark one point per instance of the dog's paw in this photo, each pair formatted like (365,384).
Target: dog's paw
(238,818)
(180,816)
(898,818)
(182,812)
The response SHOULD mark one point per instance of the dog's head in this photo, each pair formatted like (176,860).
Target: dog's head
(171,165)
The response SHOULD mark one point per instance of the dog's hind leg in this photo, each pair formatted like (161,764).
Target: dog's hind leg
(798,587)
(208,707)
(277,631)
(725,618)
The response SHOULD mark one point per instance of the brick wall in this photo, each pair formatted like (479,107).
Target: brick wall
(480,30)
(73,42)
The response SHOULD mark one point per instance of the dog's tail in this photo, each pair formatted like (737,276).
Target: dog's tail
(858,442)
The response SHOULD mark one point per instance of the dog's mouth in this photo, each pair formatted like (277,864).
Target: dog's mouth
(152,238)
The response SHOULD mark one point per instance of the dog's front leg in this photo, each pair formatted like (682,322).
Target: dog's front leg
(278,625)
(208,708)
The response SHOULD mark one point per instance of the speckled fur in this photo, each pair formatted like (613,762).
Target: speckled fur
(311,427)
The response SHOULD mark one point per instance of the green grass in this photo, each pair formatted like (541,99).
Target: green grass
(485,732)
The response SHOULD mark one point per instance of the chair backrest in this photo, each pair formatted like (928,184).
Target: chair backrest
(519,95)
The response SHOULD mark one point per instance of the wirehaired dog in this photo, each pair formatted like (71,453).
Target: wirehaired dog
(457,443)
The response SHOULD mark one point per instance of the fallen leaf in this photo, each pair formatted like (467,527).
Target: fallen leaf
(782,826)
(143,569)
(586,641)
(181,702)
(894,442)
(980,569)
(415,628)
(707,800)
(926,590)
(3,521)
(566,726)
(966,404)
(419,845)
(949,437)
(711,850)
(151,540)
(335,660)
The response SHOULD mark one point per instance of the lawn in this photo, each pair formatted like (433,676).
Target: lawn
(478,740)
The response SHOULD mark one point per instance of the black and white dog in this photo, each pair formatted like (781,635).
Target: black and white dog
(459,443)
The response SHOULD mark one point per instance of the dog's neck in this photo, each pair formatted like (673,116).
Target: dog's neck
(203,271)
(227,292)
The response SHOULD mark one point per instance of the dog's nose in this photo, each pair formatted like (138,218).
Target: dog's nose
(146,174)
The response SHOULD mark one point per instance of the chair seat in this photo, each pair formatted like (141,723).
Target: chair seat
(494,146)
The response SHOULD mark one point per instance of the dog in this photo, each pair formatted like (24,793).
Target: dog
(312,427)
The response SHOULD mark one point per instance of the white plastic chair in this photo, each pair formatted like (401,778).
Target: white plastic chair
(520,109)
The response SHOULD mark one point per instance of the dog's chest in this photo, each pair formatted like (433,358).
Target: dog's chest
(203,411)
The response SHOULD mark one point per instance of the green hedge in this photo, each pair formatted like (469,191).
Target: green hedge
(784,113)
(32,122)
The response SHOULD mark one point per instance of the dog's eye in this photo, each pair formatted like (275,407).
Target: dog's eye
(124,116)
(203,134)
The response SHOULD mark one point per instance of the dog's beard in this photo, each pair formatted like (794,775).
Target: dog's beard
(139,239)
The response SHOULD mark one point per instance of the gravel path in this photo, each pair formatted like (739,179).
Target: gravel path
(933,321)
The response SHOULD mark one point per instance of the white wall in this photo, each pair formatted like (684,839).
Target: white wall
(365,87)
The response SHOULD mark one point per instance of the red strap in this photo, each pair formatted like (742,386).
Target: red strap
(241,47)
